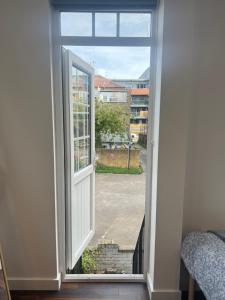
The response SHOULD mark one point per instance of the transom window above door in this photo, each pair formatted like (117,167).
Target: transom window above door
(106,24)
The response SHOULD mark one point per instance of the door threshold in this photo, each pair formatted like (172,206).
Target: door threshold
(103,278)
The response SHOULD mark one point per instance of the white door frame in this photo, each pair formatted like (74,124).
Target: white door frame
(59,145)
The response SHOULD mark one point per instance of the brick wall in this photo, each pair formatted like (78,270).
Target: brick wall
(111,259)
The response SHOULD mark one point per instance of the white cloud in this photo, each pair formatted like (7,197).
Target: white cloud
(115,62)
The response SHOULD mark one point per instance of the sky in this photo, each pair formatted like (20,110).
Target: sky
(111,62)
(115,62)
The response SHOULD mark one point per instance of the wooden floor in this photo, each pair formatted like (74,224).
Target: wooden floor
(89,291)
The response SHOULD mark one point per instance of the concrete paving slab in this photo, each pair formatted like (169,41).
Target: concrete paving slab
(120,203)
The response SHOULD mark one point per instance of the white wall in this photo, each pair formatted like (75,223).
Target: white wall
(169,173)
(27,197)
(204,205)
(190,189)
(111,96)
(191,164)
(205,179)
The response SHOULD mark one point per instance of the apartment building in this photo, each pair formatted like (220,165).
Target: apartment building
(139,110)
(133,83)
(139,83)
(108,91)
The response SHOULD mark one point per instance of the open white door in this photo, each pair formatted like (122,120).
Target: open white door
(79,148)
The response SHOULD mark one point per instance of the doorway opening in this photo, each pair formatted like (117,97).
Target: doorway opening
(106,87)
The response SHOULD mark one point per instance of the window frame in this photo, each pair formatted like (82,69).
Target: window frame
(116,40)
(57,42)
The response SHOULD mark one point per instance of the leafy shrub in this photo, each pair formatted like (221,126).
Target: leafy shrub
(88,261)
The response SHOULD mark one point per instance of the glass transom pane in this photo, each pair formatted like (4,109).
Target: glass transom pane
(76,24)
(105,24)
(135,25)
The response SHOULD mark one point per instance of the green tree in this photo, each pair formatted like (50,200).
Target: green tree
(109,119)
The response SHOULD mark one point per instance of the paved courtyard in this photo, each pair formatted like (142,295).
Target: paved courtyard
(120,202)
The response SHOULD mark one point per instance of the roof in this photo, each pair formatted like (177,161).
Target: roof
(102,82)
(139,92)
(130,80)
(146,74)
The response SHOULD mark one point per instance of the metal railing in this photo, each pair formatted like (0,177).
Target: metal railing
(77,269)
(139,103)
(140,114)
(138,256)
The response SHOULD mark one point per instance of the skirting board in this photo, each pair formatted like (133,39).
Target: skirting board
(50,284)
(103,278)
(162,294)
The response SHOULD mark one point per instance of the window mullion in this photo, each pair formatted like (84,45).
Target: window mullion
(118,25)
(93,24)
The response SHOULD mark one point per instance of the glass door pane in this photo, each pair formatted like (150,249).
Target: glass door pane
(81,118)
